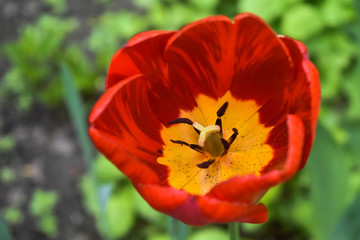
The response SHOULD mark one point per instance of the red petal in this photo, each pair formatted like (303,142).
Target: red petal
(123,117)
(223,211)
(163,198)
(121,67)
(200,56)
(263,68)
(251,188)
(258,215)
(144,36)
(137,57)
(133,167)
(199,210)
(305,91)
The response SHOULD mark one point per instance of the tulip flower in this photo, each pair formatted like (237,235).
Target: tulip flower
(205,120)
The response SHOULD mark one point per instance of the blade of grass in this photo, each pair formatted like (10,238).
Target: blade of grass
(328,170)
(76,111)
(4,231)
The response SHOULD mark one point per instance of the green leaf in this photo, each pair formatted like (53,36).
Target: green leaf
(204,5)
(159,237)
(336,13)
(267,9)
(43,202)
(7,143)
(145,211)
(40,46)
(146,3)
(352,87)
(7,175)
(328,170)
(13,215)
(348,226)
(120,212)
(48,224)
(334,52)
(90,196)
(301,22)
(105,171)
(58,6)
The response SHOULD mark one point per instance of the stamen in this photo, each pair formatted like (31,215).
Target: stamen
(225,144)
(206,164)
(180,142)
(233,136)
(219,123)
(197,148)
(222,109)
(205,132)
(181,120)
(192,146)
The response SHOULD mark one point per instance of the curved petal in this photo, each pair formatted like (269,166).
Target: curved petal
(123,117)
(163,198)
(176,203)
(252,188)
(144,54)
(133,167)
(258,215)
(137,57)
(218,211)
(201,56)
(304,91)
(198,211)
(144,36)
(263,68)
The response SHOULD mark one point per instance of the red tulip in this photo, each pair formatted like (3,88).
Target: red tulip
(205,120)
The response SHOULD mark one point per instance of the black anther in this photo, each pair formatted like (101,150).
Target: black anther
(235,131)
(226,144)
(219,123)
(181,120)
(222,109)
(206,164)
(197,148)
(233,136)
(180,142)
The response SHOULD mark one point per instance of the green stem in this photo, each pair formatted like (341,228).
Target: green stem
(177,230)
(234,231)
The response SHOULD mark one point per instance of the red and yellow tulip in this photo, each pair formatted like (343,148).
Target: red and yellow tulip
(205,120)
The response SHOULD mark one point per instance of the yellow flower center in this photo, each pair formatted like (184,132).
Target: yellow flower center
(201,154)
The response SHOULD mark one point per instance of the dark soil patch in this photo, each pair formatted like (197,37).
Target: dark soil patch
(46,154)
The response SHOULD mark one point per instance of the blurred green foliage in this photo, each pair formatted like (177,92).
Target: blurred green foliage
(42,208)
(323,195)
(7,175)
(6,143)
(119,200)
(13,215)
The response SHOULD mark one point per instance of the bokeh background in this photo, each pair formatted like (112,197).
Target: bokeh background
(53,60)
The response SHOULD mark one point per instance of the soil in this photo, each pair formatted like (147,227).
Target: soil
(46,154)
